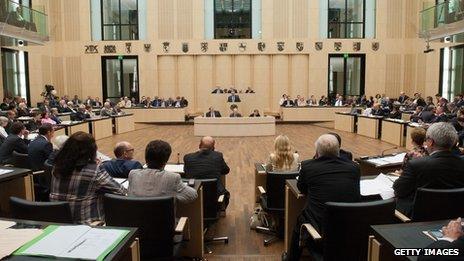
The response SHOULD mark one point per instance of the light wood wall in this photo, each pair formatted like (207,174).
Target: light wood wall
(398,65)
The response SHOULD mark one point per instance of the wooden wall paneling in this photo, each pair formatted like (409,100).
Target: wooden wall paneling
(280,71)
(421,66)
(262,80)
(242,71)
(411,19)
(74,75)
(299,77)
(281,22)
(186,79)
(71,21)
(46,68)
(167,76)
(57,77)
(300,21)
(393,75)
(223,71)
(204,76)
(409,73)
(166,19)
(55,24)
(185,19)
(394,18)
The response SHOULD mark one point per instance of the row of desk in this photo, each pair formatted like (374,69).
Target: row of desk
(310,113)
(393,131)
(157,115)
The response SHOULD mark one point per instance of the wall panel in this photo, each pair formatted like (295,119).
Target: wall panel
(280,16)
(57,78)
(280,79)
(186,79)
(299,78)
(185,19)
(394,18)
(242,71)
(167,76)
(74,75)
(224,71)
(300,19)
(393,75)
(166,19)
(71,21)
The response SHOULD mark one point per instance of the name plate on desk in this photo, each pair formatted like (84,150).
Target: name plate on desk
(388,160)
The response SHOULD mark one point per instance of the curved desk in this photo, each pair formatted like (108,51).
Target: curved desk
(234,127)
(310,113)
(155,115)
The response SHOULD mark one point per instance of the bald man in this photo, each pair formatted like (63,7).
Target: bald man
(207,163)
(123,163)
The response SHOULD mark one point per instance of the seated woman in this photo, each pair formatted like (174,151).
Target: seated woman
(418,150)
(46,118)
(77,179)
(154,181)
(282,159)
(3,123)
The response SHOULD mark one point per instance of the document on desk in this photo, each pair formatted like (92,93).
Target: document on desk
(382,185)
(395,159)
(12,239)
(5,171)
(175,168)
(81,242)
(122,182)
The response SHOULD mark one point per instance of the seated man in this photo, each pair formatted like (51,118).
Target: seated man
(107,110)
(343,153)
(255,113)
(441,170)
(233,97)
(207,164)
(16,141)
(328,178)
(123,164)
(212,113)
(453,238)
(234,113)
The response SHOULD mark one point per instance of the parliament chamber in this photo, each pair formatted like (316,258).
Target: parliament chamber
(232,130)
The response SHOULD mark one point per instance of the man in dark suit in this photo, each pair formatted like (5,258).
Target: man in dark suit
(343,153)
(403,97)
(453,238)
(14,142)
(123,163)
(212,113)
(234,97)
(328,178)
(39,150)
(207,164)
(441,170)
(440,115)
(218,90)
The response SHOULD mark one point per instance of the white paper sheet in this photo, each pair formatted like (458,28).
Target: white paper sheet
(5,171)
(102,157)
(12,239)
(6,224)
(80,242)
(382,185)
(123,182)
(176,168)
(395,159)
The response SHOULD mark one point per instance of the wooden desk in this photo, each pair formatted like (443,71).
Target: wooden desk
(369,126)
(101,128)
(60,130)
(406,115)
(234,127)
(345,122)
(157,115)
(127,249)
(123,123)
(294,204)
(66,116)
(386,238)
(310,114)
(260,179)
(194,211)
(18,183)
(75,126)
(249,102)
(367,168)
(393,131)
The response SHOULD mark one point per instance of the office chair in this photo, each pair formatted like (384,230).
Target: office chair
(345,229)
(435,204)
(212,205)
(272,201)
(154,216)
(58,212)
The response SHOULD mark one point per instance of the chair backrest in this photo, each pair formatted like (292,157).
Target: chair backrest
(210,197)
(58,212)
(19,160)
(346,226)
(438,204)
(154,216)
(275,188)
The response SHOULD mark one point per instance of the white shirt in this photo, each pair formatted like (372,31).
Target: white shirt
(338,103)
(3,132)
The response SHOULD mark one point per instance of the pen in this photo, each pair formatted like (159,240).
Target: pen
(76,246)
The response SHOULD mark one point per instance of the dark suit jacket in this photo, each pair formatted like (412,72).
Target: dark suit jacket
(236,115)
(12,143)
(327,180)
(119,168)
(346,155)
(441,170)
(457,244)
(80,116)
(217,114)
(237,98)
(206,164)
(428,116)
(288,103)
(39,150)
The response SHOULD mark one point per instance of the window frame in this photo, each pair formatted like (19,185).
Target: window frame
(104,59)
(119,25)
(216,21)
(26,71)
(442,67)
(345,24)
(362,88)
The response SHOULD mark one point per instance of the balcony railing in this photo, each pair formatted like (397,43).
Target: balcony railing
(442,14)
(23,17)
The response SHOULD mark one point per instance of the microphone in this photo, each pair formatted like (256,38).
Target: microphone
(385,150)
(178,158)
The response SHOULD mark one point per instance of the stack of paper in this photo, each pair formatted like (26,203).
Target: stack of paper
(123,182)
(175,168)
(5,171)
(81,242)
(12,239)
(382,185)
(395,159)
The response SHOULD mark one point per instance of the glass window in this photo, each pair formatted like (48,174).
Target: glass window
(120,77)
(15,73)
(346,74)
(452,73)
(346,19)
(232,19)
(120,19)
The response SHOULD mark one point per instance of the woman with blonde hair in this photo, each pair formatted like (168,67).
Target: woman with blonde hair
(283,158)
